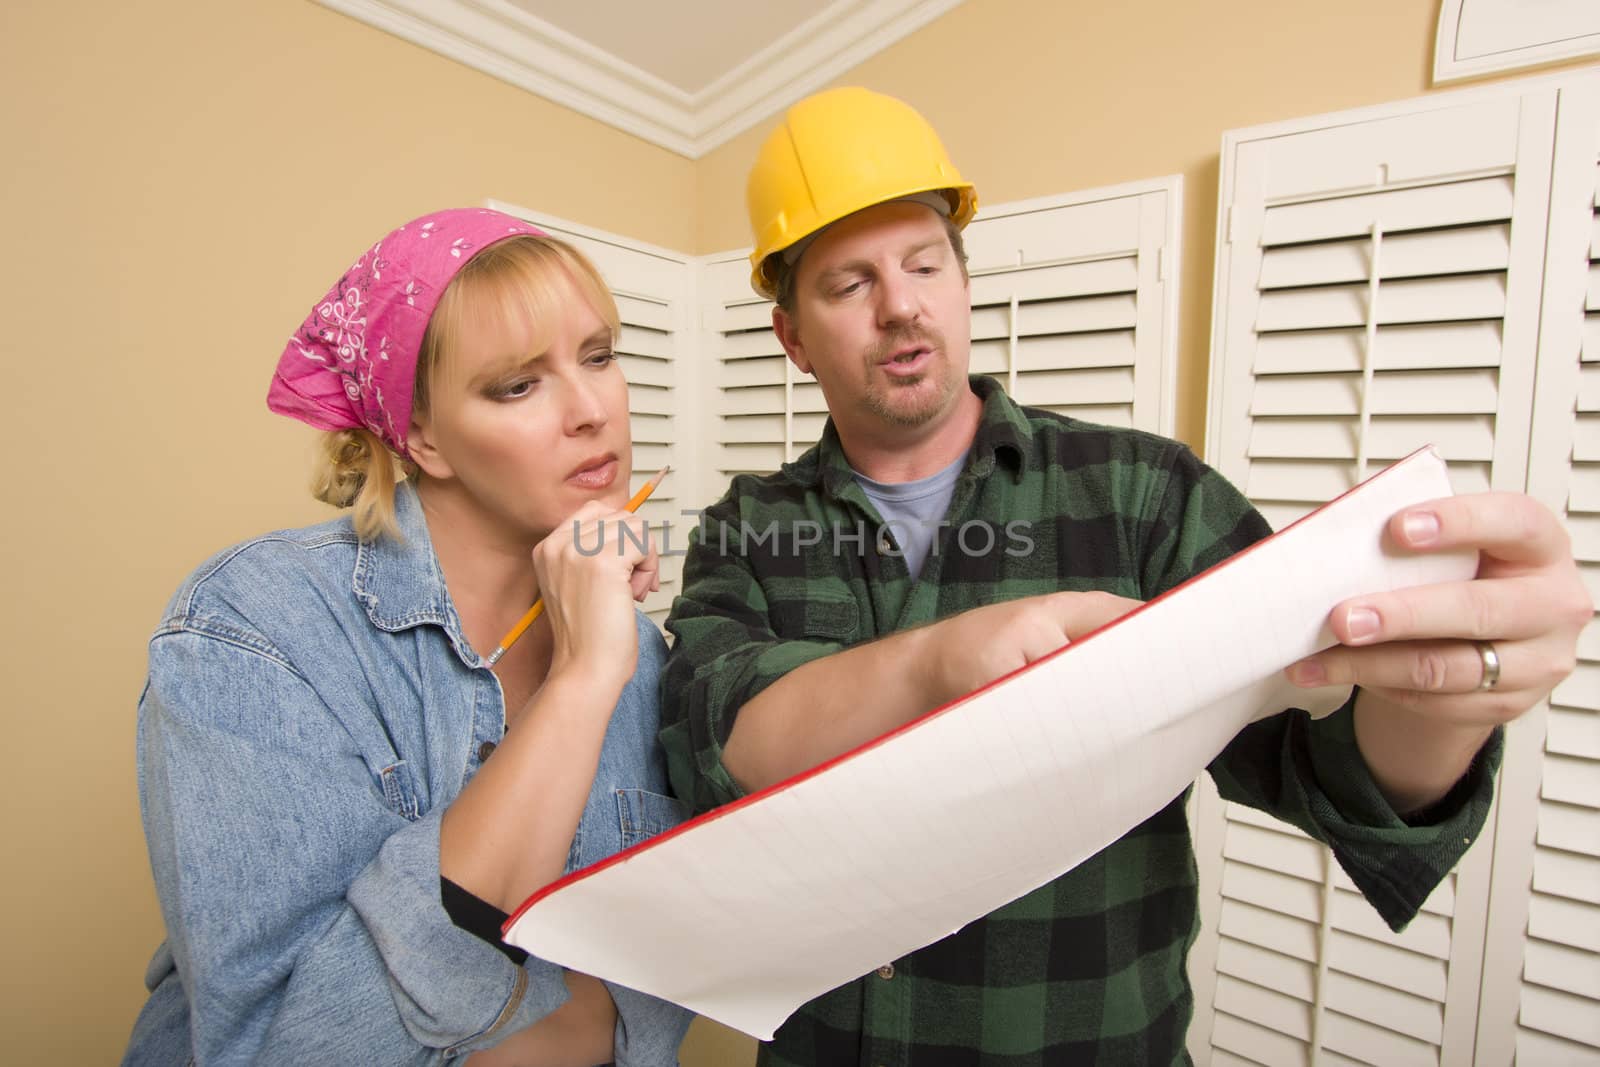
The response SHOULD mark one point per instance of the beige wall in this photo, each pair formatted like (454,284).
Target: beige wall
(182,177)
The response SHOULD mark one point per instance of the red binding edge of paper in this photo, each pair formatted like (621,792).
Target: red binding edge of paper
(777,787)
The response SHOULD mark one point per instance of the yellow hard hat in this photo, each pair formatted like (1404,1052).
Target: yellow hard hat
(836,152)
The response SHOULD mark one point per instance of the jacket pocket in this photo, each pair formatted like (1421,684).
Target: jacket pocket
(398,791)
(643,814)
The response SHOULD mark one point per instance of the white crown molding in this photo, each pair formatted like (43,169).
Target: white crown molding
(504,41)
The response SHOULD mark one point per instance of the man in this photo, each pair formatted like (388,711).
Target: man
(793,648)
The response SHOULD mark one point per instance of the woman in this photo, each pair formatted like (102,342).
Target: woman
(342,799)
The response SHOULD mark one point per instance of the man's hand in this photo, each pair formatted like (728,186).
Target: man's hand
(1417,651)
(831,705)
(972,649)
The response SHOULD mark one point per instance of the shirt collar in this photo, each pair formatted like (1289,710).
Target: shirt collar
(398,580)
(1004,437)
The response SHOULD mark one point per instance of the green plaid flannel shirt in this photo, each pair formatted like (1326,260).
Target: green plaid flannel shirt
(1090,968)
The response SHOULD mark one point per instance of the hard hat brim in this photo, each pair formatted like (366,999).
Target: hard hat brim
(962,198)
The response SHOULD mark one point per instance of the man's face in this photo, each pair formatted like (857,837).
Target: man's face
(882,318)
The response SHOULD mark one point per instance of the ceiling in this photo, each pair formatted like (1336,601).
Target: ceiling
(684,74)
(708,38)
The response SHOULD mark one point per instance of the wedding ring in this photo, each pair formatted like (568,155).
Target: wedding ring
(1491,664)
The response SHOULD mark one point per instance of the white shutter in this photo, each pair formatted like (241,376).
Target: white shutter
(654,290)
(1297,405)
(1378,288)
(1072,311)
(1541,992)
(763,413)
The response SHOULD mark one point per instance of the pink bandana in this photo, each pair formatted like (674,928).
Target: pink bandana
(354,360)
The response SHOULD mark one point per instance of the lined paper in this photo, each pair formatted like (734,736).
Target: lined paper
(748,912)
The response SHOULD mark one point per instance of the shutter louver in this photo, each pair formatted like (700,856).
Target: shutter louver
(647,347)
(755,425)
(1068,301)
(651,333)
(1377,290)
(1436,315)
(1558,944)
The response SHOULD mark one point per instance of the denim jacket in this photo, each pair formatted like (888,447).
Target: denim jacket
(312,708)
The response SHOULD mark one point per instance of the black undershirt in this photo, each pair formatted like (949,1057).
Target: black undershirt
(477,916)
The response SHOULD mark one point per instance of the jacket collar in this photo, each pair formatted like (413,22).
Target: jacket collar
(399,582)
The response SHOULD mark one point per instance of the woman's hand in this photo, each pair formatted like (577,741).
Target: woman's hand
(510,829)
(592,568)
(577,1034)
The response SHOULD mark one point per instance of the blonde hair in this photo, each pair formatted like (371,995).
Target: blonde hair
(518,278)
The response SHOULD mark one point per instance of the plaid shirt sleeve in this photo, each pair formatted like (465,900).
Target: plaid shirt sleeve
(1310,772)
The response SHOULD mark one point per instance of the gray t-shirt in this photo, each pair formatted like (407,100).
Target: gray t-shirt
(911,510)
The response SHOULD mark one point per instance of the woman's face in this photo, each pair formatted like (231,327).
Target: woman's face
(525,438)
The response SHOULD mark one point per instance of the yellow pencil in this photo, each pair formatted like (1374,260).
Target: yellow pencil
(538,605)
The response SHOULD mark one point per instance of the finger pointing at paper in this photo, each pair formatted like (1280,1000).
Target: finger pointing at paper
(1440,665)
(972,649)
